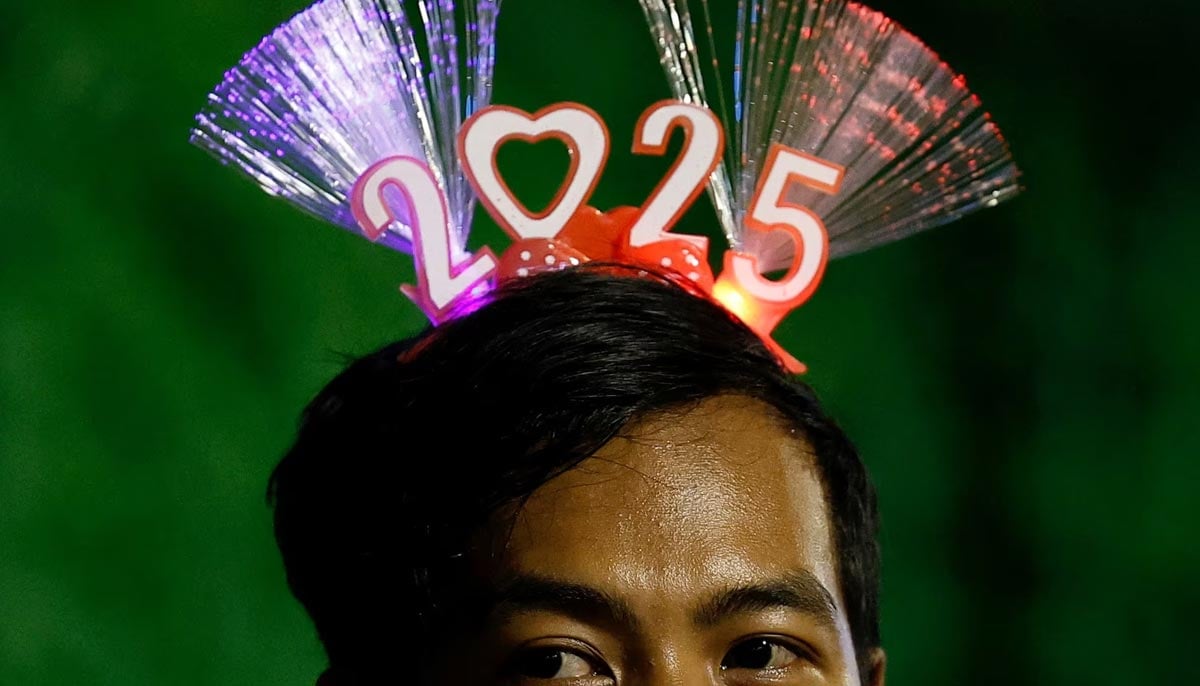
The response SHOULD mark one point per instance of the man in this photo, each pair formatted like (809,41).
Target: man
(596,479)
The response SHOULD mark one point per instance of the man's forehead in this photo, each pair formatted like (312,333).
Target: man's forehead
(725,453)
(732,421)
(685,502)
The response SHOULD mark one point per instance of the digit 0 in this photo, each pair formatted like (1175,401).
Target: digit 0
(579,128)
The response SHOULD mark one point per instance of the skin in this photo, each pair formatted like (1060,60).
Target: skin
(696,550)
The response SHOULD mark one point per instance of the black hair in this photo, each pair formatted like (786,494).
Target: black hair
(411,450)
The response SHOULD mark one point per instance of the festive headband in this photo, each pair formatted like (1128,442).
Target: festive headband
(841,132)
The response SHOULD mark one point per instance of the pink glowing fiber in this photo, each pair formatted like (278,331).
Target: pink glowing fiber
(844,83)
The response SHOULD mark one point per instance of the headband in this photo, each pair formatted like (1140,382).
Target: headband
(829,130)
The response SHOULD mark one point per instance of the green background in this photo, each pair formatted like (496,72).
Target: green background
(1023,385)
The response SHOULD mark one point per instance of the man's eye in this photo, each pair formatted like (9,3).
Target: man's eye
(553,663)
(759,654)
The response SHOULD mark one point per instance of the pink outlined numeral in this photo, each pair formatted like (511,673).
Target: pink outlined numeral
(441,281)
(769,211)
(703,149)
(577,126)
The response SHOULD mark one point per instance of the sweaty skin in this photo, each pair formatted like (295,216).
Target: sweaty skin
(695,550)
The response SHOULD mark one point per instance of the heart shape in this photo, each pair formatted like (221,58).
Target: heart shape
(577,126)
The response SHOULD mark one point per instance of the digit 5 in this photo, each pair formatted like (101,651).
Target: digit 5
(769,301)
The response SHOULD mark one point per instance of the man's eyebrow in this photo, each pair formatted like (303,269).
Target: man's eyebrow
(799,591)
(526,593)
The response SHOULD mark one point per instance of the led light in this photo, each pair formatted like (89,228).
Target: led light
(735,301)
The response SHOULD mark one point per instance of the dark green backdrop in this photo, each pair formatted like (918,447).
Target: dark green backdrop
(1023,385)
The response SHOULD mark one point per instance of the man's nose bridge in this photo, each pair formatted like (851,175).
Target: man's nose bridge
(669,662)
(673,676)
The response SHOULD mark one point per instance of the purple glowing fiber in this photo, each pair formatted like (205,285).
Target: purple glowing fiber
(346,83)
(844,83)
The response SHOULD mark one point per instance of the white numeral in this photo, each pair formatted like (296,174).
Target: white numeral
(770,212)
(578,127)
(685,182)
(440,279)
